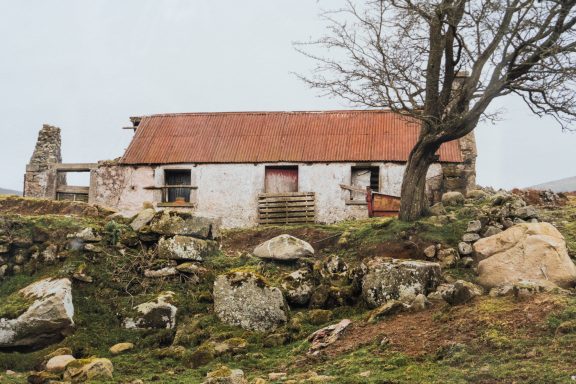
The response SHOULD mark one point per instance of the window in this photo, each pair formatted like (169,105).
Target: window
(176,186)
(281,179)
(363,177)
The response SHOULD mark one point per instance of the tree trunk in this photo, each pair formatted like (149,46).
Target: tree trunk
(413,201)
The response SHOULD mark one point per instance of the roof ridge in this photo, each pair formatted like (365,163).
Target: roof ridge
(332,111)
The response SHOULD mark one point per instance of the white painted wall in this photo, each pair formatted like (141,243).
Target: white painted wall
(230,191)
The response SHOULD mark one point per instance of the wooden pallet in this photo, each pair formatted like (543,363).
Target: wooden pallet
(287,208)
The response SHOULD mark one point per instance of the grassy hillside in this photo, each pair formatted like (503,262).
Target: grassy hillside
(487,340)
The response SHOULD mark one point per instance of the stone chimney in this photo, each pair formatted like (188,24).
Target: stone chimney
(39,180)
(462,177)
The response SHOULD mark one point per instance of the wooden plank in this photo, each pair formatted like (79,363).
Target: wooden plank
(265,211)
(286,200)
(287,214)
(283,205)
(74,167)
(353,188)
(284,221)
(72,189)
(286,194)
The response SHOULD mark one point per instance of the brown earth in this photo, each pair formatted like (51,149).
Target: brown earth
(426,332)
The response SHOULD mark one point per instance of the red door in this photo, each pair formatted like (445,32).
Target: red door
(281,179)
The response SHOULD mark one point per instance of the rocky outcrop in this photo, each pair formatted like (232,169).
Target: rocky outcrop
(284,248)
(186,248)
(298,287)
(47,319)
(156,314)
(527,251)
(399,280)
(244,299)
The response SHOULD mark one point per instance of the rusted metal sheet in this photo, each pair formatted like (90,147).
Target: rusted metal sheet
(253,137)
(382,205)
(281,179)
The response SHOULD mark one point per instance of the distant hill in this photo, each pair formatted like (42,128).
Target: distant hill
(9,192)
(562,185)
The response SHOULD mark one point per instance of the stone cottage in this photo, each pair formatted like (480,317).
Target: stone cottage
(255,167)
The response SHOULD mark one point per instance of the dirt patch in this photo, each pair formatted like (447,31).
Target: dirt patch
(396,249)
(426,332)
(32,206)
(246,240)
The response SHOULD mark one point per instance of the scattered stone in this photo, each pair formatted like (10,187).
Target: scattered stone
(225,375)
(319,316)
(82,370)
(43,377)
(58,363)
(437,209)
(460,292)
(142,219)
(163,272)
(277,376)
(474,226)
(453,199)
(420,303)
(298,287)
(196,272)
(390,308)
(531,251)
(47,319)
(119,348)
(398,280)
(448,257)
(157,314)
(186,248)
(334,267)
(467,262)
(430,251)
(476,194)
(93,248)
(470,237)
(465,249)
(284,248)
(87,235)
(525,288)
(491,231)
(326,336)
(245,299)
(526,213)
(171,223)
(4,248)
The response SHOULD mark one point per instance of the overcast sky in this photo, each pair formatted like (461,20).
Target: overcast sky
(86,66)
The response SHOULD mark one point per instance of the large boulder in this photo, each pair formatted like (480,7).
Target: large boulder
(527,251)
(453,199)
(142,219)
(171,223)
(284,248)
(41,313)
(398,280)
(186,248)
(246,300)
(156,314)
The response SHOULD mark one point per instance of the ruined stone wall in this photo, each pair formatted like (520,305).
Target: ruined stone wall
(461,177)
(40,180)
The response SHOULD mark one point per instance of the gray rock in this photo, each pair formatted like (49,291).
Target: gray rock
(467,262)
(474,226)
(225,375)
(453,199)
(48,318)
(523,288)
(470,237)
(389,308)
(162,272)
(171,223)
(460,292)
(284,248)
(91,369)
(4,248)
(398,280)
(430,251)
(420,303)
(298,287)
(244,299)
(143,218)
(448,257)
(491,231)
(476,194)
(157,314)
(326,336)
(437,209)
(186,248)
(87,235)
(464,249)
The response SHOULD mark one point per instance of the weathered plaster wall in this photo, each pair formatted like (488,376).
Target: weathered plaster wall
(229,191)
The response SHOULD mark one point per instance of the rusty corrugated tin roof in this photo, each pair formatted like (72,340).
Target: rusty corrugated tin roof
(253,137)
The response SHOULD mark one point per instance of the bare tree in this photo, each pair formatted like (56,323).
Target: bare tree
(406,56)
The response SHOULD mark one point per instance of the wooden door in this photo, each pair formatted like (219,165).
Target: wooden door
(281,179)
